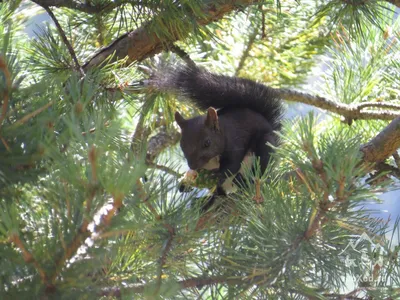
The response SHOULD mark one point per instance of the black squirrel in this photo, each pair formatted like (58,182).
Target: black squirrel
(241,118)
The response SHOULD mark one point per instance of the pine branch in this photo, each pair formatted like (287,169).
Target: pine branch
(384,144)
(349,112)
(378,105)
(145,199)
(33,114)
(156,144)
(87,6)
(182,54)
(65,40)
(188,283)
(143,42)
(7,89)
(382,167)
(246,51)
(83,231)
(28,257)
(163,168)
(163,258)
(160,142)
(196,282)
(140,133)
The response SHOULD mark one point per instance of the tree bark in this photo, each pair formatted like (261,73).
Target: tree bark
(144,42)
(384,144)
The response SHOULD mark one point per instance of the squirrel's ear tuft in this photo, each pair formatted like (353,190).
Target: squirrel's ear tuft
(179,119)
(212,119)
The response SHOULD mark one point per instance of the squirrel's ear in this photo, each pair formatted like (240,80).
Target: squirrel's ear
(179,119)
(212,118)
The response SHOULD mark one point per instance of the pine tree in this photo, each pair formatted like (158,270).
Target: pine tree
(90,163)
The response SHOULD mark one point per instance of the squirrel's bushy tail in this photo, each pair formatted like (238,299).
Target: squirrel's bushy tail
(206,89)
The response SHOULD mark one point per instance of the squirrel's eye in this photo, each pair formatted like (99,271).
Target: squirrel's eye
(207,143)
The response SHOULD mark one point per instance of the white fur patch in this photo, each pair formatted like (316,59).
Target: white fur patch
(228,185)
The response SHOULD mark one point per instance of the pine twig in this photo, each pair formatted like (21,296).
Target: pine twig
(83,231)
(383,167)
(5,144)
(92,156)
(116,205)
(163,168)
(33,114)
(145,199)
(349,112)
(64,38)
(140,133)
(182,54)
(246,52)
(263,34)
(164,255)
(194,282)
(258,197)
(7,76)
(28,257)
(88,7)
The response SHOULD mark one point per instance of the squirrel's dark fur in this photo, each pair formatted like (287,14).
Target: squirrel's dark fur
(247,115)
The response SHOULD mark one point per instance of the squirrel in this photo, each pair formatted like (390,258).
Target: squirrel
(242,117)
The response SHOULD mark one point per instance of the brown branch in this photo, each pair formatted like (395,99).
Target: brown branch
(258,198)
(384,144)
(86,6)
(163,168)
(83,231)
(28,257)
(198,282)
(65,40)
(182,54)
(72,247)
(5,144)
(362,105)
(144,42)
(116,205)
(92,157)
(79,238)
(145,199)
(164,255)
(378,149)
(349,112)
(7,76)
(246,51)
(140,133)
(32,114)
(160,142)
(382,167)
(184,284)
